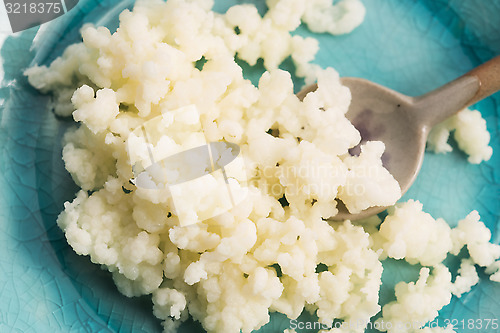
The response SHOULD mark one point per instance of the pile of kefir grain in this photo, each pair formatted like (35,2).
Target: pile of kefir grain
(231,270)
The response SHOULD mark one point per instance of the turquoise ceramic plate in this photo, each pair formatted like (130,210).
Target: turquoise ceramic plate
(409,45)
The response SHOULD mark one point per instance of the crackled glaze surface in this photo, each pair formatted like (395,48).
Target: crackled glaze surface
(408,45)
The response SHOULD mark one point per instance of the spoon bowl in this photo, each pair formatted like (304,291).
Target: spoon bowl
(403,123)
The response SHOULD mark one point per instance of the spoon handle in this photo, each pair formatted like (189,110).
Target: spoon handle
(479,83)
(488,75)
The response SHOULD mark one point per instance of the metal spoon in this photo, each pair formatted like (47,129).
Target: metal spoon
(403,122)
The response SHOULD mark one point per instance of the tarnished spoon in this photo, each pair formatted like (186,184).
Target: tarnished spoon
(403,122)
